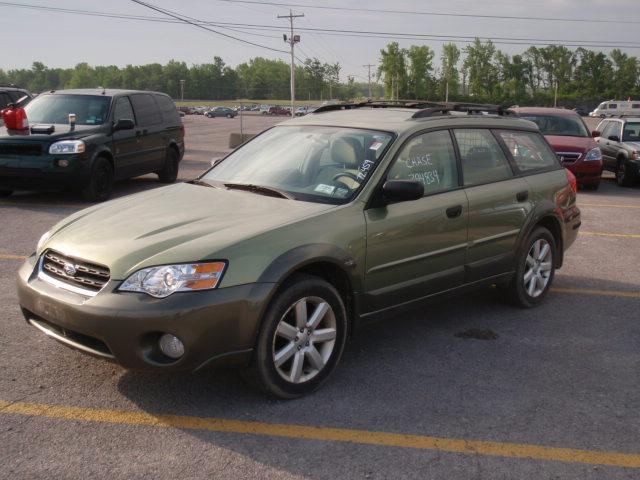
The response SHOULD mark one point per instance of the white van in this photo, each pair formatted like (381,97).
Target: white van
(614,108)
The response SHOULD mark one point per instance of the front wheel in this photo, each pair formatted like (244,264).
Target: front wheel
(301,339)
(101,181)
(623,176)
(534,271)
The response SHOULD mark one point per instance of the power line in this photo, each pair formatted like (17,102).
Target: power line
(198,25)
(435,14)
(344,33)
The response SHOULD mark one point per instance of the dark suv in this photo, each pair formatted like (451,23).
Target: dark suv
(87,139)
(13,94)
(619,140)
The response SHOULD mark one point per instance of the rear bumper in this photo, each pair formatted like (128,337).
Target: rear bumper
(216,326)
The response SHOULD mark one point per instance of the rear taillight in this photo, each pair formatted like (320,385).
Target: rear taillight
(573,182)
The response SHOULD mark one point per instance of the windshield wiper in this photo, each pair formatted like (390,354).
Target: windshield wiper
(260,190)
(197,181)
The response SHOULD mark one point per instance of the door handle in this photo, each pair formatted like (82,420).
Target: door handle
(453,212)
(522,196)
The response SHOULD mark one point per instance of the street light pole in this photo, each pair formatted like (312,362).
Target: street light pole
(368,65)
(182,90)
(292,40)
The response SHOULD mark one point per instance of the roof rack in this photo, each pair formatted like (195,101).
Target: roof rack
(425,108)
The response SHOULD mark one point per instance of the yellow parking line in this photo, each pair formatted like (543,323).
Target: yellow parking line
(363,437)
(606,205)
(619,235)
(5,256)
(596,292)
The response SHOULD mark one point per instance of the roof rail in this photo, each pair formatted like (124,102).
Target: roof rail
(470,108)
(376,104)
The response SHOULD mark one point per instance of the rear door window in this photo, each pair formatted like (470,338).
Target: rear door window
(529,151)
(168,109)
(5,99)
(146,110)
(483,161)
(429,159)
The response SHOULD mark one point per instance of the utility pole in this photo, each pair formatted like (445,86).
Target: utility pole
(182,90)
(292,40)
(368,65)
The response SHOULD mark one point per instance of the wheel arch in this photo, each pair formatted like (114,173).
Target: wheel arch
(553,224)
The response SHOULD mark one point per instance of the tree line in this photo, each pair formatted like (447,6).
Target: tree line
(478,72)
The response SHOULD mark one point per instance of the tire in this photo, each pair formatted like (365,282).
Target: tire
(525,293)
(281,347)
(229,115)
(5,193)
(623,178)
(101,181)
(169,172)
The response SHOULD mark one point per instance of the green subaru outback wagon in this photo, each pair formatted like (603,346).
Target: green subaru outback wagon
(273,257)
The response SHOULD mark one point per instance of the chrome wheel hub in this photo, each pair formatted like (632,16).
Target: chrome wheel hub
(304,339)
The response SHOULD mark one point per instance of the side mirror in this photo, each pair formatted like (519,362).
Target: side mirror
(402,190)
(596,134)
(124,124)
(614,138)
(214,161)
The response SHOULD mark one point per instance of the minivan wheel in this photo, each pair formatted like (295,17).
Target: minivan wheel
(101,181)
(301,339)
(535,270)
(169,172)
(5,193)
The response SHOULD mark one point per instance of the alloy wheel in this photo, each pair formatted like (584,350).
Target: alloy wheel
(304,339)
(539,264)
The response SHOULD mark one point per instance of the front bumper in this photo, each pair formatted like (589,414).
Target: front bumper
(42,172)
(586,172)
(216,326)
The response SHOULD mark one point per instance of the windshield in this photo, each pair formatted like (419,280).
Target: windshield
(631,132)
(89,109)
(310,163)
(561,125)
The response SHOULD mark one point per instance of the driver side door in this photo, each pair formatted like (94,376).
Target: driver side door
(127,144)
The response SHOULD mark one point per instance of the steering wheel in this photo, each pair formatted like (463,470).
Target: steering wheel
(345,174)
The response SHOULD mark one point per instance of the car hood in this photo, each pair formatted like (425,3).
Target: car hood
(61,131)
(571,144)
(176,224)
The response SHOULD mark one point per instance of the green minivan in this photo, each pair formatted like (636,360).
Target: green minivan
(272,258)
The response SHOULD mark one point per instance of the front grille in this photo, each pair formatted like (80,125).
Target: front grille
(75,272)
(568,157)
(20,149)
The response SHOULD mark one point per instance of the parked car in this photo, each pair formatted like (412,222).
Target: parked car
(200,110)
(304,110)
(616,107)
(619,140)
(186,110)
(571,140)
(359,214)
(278,110)
(264,109)
(13,94)
(87,139)
(221,112)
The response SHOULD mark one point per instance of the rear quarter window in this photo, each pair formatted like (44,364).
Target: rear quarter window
(146,109)
(529,150)
(5,99)
(168,108)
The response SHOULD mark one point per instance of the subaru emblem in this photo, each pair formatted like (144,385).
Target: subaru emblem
(70,269)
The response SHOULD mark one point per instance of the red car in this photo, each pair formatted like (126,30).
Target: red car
(277,110)
(571,140)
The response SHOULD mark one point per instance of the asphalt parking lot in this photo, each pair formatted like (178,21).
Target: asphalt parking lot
(554,396)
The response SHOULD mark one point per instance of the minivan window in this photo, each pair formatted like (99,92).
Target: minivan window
(309,163)
(561,125)
(89,109)
(123,110)
(4,100)
(529,150)
(430,159)
(483,161)
(168,109)
(613,105)
(147,112)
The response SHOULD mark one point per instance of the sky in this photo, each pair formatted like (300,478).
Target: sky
(63,39)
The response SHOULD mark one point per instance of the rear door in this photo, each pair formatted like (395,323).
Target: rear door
(499,203)
(150,129)
(610,147)
(417,248)
(127,144)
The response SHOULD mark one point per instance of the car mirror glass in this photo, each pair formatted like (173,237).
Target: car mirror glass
(123,124)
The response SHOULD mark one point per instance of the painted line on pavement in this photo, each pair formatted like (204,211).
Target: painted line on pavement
(6,256)
(605,234)
(362,437)
(606,205)
(596,292)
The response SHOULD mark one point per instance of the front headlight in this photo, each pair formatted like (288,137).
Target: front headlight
(42,240)
(162,281)
(67,147)
(593,155)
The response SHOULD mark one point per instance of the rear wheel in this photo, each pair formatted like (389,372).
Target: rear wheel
(5,193)
(169,172)
(101,181)
(301,339)
(535,270)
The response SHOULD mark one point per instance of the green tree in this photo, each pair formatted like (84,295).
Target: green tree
(393,71)
(420,81)
(483,73)
(449,83)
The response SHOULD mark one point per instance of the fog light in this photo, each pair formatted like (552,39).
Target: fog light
(63,163)
(171,346)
